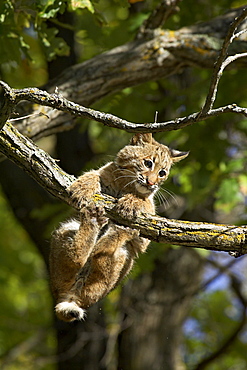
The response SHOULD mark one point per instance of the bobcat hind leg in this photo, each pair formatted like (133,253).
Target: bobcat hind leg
(71,247)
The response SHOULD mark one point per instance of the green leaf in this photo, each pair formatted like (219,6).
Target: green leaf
(51,8)
(53,45)
(81,4)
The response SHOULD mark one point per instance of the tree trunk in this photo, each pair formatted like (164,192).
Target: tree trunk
(156,306)
(82,345)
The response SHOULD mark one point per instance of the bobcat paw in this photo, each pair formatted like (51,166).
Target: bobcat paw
(83,189)
(69,311)
(80,197)
(97,215)
(128,206)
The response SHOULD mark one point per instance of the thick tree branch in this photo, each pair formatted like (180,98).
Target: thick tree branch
(50,176)
(6,105)
(36,162)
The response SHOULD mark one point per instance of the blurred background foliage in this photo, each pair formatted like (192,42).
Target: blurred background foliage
(211,185)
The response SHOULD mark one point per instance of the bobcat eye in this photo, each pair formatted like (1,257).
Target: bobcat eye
(148,163)
(162,173)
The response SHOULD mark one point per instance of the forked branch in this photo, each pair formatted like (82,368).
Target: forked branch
(223,61)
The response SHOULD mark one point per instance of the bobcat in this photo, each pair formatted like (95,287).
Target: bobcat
(90,254)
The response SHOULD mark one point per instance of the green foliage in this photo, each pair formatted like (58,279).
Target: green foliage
(22,19)
(53,46)
(213,319)
(81,4)
(25,313)
(212,180)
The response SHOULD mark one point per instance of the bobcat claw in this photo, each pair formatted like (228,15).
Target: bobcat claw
(95,215)
(98,215)
(127,206)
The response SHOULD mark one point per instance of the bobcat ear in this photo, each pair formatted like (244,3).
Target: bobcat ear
(177,156)
(141,139)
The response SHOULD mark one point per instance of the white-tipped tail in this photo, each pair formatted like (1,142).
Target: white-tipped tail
(69,311)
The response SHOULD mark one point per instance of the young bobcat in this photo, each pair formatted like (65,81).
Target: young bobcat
(90,255)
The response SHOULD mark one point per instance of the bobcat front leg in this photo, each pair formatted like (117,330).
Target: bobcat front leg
(71,246)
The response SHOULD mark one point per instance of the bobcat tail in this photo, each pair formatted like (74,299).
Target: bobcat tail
(69,311)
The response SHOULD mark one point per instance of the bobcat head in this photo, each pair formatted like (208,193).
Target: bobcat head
(145,164)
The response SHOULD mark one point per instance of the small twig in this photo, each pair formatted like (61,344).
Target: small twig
(156,116)
(219,66)
(159,16)
(239,33)
(28,116)
(231,59)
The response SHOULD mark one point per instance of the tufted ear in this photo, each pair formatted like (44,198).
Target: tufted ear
(141,139)
(177,156)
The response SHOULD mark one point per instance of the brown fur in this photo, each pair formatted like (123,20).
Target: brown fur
(91,255)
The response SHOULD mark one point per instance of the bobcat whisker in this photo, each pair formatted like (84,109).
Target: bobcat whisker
(123,169)
(170,193)
(162,199)
(124,176)
(129,183)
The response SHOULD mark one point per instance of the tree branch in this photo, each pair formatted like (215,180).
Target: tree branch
(222,60)
(159,16)
(50,176)
(57,101)
(162,54)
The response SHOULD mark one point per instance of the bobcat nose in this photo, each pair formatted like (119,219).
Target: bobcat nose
(149,182)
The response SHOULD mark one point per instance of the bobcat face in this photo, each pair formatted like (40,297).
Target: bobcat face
(145,165)
(152,174)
